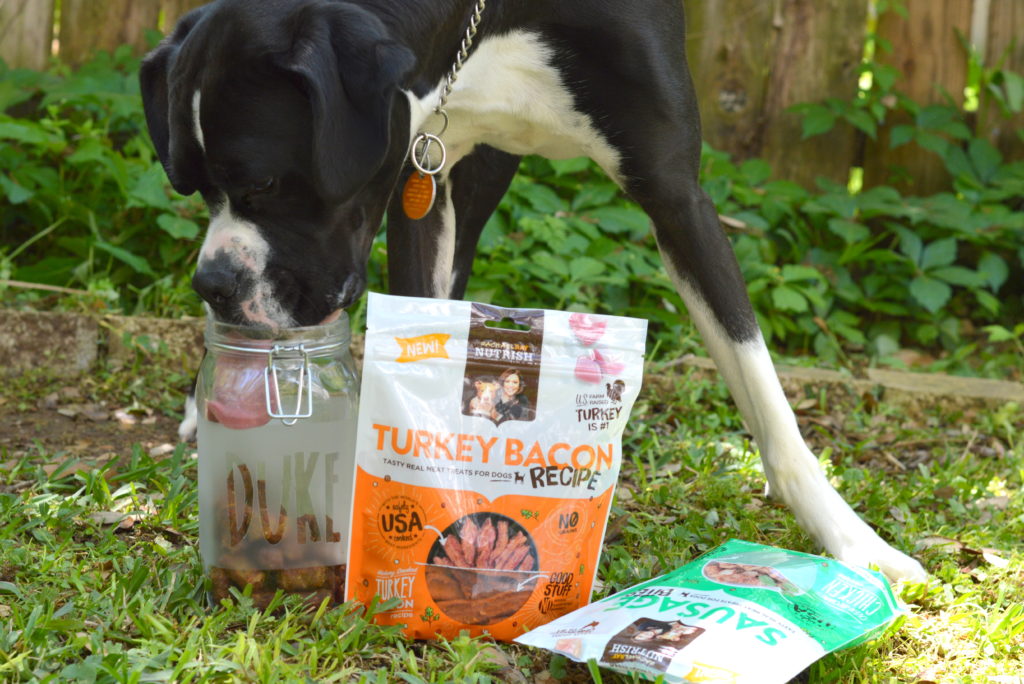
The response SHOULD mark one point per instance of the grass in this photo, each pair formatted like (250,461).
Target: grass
(82,599)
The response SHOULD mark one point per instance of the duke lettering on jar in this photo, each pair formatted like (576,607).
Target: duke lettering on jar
(297,476)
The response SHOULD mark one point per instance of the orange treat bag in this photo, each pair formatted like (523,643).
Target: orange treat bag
(486,459)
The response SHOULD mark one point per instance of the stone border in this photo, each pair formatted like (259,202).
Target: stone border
(67,343)
(72,343)
(894,382)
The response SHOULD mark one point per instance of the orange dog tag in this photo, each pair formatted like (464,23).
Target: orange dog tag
(418,195)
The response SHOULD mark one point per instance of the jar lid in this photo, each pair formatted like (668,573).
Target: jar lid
(312,339)
(276,349)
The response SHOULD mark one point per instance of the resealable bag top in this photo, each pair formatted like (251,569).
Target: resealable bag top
(742,613)
(488,449)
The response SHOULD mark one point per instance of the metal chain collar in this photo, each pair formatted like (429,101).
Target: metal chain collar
(420,153)
(461,56)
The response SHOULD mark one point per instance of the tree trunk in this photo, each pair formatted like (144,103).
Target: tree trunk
(819,52)
(26,33)
(729,43)
(753,59)
(87,26)
(933,65)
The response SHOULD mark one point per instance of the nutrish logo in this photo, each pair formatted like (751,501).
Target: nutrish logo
(851,598)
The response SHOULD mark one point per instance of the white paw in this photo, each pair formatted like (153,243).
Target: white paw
(190,423)
(822,512)
(895,565)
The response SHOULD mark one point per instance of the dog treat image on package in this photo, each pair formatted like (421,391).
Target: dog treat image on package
(486,460)
(741,613)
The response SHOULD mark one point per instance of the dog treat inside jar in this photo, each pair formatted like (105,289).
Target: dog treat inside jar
(277,419)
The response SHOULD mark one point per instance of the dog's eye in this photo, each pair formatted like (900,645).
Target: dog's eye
(262,186)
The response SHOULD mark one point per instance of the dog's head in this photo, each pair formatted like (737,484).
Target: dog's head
(288,118)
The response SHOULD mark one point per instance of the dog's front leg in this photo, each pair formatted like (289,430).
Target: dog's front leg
(701,263)
(433,256)
(421,252)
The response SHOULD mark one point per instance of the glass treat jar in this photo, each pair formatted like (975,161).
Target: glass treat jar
(277,422)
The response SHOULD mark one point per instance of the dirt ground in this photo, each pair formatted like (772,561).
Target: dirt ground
(65,427)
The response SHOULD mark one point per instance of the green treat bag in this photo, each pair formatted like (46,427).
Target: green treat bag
(740,613)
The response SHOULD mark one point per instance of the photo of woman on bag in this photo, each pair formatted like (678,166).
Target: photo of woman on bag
(512,403)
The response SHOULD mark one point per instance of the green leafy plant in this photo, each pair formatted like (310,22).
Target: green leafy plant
(1001,334)
(564,235)
(84,199)
(869,270)
(915,270)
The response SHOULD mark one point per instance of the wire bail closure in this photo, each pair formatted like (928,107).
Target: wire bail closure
(270,377)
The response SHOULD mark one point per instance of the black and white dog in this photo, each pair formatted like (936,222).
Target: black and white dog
(294,119)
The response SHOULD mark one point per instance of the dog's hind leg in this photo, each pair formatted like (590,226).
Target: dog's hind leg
(433,256)
(701,263)
(662,176)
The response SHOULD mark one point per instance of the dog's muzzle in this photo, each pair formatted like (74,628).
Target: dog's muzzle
(243,297)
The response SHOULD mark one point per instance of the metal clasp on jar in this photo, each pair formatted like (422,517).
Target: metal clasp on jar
(272,385)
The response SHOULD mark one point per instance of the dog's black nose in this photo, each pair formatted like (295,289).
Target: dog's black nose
(216,285)
(352,290)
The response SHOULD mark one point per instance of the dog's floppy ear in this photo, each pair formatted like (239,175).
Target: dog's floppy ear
(351,69)
(164,86)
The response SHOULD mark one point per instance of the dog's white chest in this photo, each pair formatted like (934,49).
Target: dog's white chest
(510,96)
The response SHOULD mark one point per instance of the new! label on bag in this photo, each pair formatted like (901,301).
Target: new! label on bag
(488,449)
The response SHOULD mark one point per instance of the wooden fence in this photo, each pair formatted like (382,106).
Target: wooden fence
(32,31)
(751,59)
